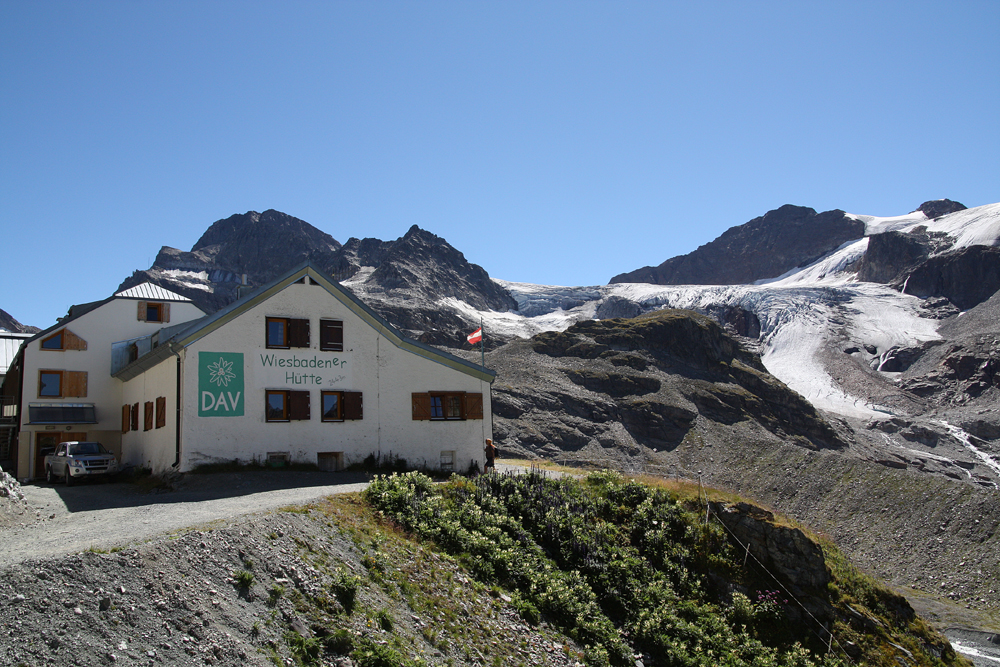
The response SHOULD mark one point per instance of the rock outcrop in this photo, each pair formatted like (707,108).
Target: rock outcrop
(628,386)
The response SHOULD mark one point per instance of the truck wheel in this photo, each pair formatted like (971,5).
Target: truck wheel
(69,477)
(49,477)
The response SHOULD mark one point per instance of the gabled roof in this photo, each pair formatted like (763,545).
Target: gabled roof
(187,335)
(77,311)
(151,291)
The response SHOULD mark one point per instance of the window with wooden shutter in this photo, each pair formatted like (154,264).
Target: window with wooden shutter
(283,405)
(126,418)
(447,405)
(161,412)
(135,417)
(147,421)
(285,332)
(152,311)
(353,405)
(331,335)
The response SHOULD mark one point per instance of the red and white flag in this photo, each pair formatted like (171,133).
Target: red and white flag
(476,336)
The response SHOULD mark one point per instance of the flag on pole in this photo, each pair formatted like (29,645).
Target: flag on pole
(476,336)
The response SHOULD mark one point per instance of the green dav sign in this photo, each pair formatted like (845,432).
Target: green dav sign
(220,384)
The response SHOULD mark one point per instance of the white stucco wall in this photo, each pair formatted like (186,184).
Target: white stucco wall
(370,363)
(156,448)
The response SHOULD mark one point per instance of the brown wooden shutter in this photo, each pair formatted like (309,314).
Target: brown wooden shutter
(142,311)
(298,333)
(75,383)
(331,335)
(73,342)
(166,313)
(353,405)
(126,418)
(161,412)
(298,405)
(135,417)
(473,406)
(147,421)
(421,405)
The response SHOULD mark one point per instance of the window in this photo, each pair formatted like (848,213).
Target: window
(447,405)
(151,311)
(135,416)
(147,421)
(161,412)
(50,384)
(333,406)
(60,384)
(53,342)
(282,405)
(342,405)
(64,339)
(331,335)
(286,332)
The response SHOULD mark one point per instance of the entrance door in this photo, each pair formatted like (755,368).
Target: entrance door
(45,444)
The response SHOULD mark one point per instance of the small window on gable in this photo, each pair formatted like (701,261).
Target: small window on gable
(286,332)
(64,339)
(53,342)
(331,335)
(152,311)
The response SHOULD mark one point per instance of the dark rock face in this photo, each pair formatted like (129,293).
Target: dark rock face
(253,243)
(890,255)
(938,207)
(765,247)
(647,381)
(967,277)
(425,263)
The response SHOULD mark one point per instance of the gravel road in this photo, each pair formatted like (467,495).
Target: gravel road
(106,515)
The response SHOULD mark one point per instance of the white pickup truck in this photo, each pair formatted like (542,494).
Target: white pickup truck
(75,460)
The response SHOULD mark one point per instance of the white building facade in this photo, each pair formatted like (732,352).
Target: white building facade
(63,386)
(300,371)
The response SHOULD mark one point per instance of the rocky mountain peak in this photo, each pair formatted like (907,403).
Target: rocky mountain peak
(938,207)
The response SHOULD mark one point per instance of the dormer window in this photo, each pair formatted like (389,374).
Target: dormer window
(154,311)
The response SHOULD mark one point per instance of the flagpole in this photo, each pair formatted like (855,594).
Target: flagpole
(482,342)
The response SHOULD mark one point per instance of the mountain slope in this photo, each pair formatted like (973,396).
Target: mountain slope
(779,241)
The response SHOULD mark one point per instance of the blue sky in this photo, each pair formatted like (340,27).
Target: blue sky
(550,142)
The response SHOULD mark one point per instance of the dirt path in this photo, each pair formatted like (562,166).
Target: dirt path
(103,516)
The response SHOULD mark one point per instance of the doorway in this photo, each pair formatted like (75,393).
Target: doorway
(46,443)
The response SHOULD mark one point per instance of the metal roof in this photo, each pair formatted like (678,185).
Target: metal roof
(151,291)
(10,343)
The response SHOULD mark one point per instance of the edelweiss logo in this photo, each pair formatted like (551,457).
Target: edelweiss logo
(221,372)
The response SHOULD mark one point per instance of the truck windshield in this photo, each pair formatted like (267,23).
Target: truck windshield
(86,448)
